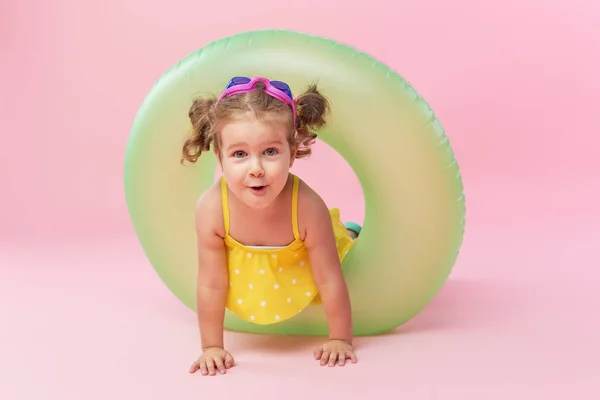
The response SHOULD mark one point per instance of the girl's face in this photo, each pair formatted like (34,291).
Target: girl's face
(256,158)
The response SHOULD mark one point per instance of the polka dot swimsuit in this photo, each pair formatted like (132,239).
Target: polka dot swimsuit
(271,284)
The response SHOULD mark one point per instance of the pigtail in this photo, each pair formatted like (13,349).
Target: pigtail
(201,116)
(312,109)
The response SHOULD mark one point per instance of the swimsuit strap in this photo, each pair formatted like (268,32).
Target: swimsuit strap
(295,190)
(225,204)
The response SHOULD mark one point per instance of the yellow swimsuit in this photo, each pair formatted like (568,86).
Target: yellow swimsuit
(271,284)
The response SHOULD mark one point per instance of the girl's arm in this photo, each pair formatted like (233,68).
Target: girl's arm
(326,266)
(213,280)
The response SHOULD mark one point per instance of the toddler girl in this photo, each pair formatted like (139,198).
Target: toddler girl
(268,246)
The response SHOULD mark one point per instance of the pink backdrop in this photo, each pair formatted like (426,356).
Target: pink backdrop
(515,84)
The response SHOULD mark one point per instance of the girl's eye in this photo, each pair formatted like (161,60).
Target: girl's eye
(271,152)
(239,154)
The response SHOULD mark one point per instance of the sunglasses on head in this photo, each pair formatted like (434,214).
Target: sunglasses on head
(277,89)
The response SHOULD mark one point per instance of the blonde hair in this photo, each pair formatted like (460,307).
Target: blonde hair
(208,117)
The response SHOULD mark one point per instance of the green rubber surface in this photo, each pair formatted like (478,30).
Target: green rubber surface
(414,202)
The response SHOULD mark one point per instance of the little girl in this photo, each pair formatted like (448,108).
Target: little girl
(268,246)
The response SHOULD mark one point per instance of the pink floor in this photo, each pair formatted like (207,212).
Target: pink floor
(87,318)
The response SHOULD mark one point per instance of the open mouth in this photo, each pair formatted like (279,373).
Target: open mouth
(257,189)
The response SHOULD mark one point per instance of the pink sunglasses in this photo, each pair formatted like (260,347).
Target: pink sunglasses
(277,89)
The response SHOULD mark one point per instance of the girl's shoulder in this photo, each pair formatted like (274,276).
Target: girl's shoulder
(313,212)
(307,195)
(209,211)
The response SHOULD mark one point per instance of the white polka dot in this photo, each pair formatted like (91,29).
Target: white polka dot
(289,300)
(280,269)
(277,317)
(252,317)
(276,286)
(308,294)
(248,255)
(237,271)
(250,286)
(273,255)
(293,281)
(262,271)
(301,263)
(240,301)
(263,303)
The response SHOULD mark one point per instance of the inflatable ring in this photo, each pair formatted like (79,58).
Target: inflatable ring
(414,204)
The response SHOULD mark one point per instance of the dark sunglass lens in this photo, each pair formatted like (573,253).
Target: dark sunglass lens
(239,80)
(280,85)
(283,87)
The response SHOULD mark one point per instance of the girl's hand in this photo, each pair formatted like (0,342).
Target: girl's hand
(213,358)
(334,351)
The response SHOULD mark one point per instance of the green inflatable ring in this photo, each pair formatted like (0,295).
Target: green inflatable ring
(414,203)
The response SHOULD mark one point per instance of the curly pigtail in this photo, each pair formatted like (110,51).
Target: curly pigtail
(312,109)
(202,118)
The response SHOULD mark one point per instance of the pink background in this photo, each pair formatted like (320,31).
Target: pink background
(516,86)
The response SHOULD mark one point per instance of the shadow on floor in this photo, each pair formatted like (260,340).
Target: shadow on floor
(463,304)
(460,305)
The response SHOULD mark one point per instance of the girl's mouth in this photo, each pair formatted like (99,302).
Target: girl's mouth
(257,189)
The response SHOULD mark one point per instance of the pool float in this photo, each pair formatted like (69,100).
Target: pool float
(413,193)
